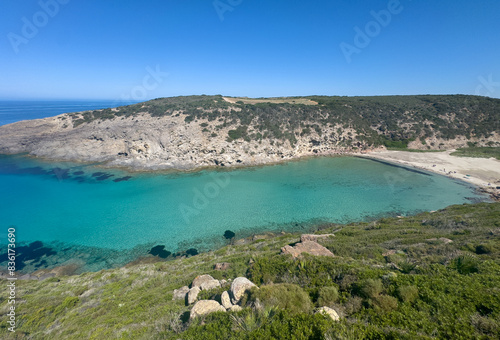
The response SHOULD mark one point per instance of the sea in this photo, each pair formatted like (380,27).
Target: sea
(92,217)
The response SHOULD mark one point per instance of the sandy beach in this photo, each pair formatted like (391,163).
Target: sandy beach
(482,172)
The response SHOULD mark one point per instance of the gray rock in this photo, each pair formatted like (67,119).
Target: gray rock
(193,294)
(222,266)
(180,294)
(329,312)
(201,279)
(309,247)
(314,238)
(239,286)
(207,285)
(204,307)
(226,300)
(235,308)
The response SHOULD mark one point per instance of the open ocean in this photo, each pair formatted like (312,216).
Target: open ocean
(15,111)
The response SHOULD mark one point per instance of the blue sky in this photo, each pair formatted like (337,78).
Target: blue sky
(110,49)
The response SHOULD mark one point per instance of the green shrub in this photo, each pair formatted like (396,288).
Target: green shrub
(327,296)
(465,264)
(384,303)
(371,288)
(484,249)
(407,266)
(408,294)
(353,305)
(283,296)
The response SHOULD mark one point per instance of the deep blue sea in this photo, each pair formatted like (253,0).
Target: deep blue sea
(14,111)
(96,218)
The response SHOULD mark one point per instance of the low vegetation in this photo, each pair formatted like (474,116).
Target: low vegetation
(478,152)
(392,121)
(429,276)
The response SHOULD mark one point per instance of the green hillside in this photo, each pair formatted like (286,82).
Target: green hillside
(392,121)
(396,278)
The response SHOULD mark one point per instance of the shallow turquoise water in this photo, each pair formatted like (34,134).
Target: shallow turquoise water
(115,221)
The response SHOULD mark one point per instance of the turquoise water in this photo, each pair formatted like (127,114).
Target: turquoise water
(106,217)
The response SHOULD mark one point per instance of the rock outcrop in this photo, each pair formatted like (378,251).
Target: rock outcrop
(329,312)
(222,266)
(204,307)
(180,294)
(239,286)
(193,294)
(225,300)
(309,247)
(205,282)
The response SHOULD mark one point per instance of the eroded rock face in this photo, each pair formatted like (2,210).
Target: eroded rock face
(193,294)
(329,312)
(239,286)
(145,142)
(180,294)
(226,300)
(309,247)
(204,307)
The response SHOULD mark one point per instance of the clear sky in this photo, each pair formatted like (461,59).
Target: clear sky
(110,49)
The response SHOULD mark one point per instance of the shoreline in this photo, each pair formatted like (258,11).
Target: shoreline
(483,173)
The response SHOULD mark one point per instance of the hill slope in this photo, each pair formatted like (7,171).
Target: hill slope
(197,131)
(434,275)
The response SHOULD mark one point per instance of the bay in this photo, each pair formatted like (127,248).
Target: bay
(107,217)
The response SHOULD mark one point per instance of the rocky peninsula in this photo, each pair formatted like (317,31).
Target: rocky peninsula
(187,133)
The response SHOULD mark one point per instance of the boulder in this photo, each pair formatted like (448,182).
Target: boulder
(238,287)
(180,294)
(314,238)
(235,308)
(205,282)
(222,266)
(199,280)
(329,312)
(309,247)
(207,285)
(204,307)
(193,294)
(226,300)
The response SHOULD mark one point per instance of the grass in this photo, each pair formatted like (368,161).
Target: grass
(391,278)
(478,152)
(279,100)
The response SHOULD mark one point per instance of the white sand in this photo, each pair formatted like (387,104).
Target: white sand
(483,172)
